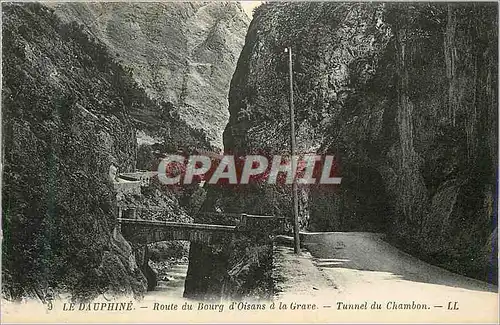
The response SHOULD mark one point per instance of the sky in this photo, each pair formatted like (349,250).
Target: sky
(248,6)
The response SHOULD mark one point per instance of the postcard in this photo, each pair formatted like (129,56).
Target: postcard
(249,162)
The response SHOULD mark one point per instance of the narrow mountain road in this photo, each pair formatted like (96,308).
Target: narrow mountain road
(347,274)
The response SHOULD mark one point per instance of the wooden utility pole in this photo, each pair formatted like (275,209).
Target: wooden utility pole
(295,200)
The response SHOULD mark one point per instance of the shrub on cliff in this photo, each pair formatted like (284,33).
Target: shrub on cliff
(404,95)
(65,118)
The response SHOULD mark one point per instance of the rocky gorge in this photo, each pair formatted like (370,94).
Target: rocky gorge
(76,100)
(404,96)
(181,54)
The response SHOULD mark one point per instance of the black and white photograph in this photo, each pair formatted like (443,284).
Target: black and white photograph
(249,162)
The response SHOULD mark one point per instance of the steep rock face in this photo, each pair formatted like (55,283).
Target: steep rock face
(446,156)
(65,107)
(259,123)
(71,108)
(183,54)
(404,96)
(231,267)
(325,39)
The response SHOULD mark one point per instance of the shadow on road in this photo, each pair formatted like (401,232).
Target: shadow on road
(368,252)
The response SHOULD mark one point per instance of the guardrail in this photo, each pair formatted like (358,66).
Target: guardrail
(179,225)
(251,222)
(232,214)
(144,177)
(243,223)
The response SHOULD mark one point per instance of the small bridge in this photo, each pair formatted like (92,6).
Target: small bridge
(151,231)
(144,231)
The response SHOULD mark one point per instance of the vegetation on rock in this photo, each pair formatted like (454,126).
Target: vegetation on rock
(70,110)
(404,95)
(180,53)
(65,104)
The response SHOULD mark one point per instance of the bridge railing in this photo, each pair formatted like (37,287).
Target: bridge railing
(172,224)
(242,222)
(144,177)
(151,231)
(249,222)
(238,221)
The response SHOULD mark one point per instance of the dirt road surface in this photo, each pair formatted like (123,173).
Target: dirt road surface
(337,278)
(346,274)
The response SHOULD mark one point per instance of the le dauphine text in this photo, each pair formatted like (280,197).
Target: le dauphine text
(198,306)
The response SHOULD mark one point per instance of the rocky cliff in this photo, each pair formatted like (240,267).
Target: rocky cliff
(405,96)
(65,119)
(83,86)
(180,53)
